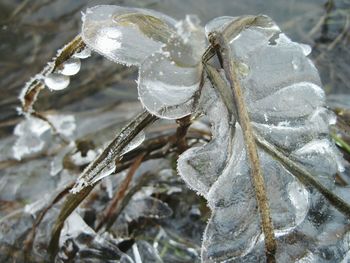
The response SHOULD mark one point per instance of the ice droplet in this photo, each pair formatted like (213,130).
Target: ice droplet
(104,173)
(56,81)
(85,53)
(70,67)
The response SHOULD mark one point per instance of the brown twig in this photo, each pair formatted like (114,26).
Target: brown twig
(181,131)
(220,43)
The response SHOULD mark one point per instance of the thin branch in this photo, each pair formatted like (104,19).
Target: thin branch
(220,43)
(181,131)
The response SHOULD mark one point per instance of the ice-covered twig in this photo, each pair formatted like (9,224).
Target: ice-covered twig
(220,43)
(32,88)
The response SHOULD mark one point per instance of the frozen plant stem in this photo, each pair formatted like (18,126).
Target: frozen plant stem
(110,154)
(220,44)
(114,149)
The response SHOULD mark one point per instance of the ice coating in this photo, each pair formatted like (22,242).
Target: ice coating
(83,54)
(234,227)
(125,35)
(201,176)
(286,105)
(169,79)
(284,96)
(167,89)
(167,51)
(136,142)
(107,167)
(217,24)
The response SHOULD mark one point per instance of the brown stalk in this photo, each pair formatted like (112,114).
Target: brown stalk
(220,44)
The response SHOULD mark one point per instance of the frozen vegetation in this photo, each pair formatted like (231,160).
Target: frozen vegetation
(285,102)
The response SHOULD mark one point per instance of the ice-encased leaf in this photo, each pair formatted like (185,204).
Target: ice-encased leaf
(33,133)
(220,172)
(282,92)
(167,51)
(126,35)
(168,95)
